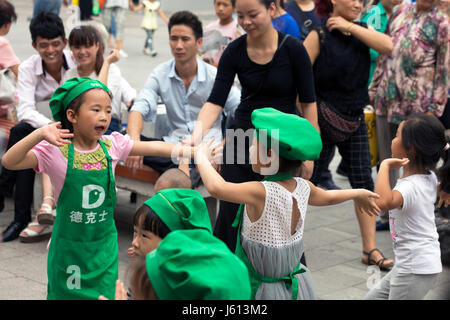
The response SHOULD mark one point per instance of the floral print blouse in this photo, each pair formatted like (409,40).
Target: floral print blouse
(413,78)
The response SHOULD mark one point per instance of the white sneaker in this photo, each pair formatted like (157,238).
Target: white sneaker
(147,51)
(123,54)
(154,53)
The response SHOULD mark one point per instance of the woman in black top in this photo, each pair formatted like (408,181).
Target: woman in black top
(339,51)
(268,80)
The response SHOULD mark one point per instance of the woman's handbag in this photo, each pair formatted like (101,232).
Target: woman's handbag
(334,126)
(7,86)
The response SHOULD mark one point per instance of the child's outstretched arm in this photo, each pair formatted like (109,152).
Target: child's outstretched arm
(250,193)
(163,16)
(114,56)
(389,199)
(20,156)
(364,199)
(161,149)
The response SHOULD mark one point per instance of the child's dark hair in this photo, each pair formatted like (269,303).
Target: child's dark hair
(289,166)
(47,25)
(233,3)
(7,13)
(75,105)
(88,36)
(188,19)
(150,221)
(140,285)
(423,137)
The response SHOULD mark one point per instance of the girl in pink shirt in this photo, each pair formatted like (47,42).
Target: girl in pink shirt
(80,160)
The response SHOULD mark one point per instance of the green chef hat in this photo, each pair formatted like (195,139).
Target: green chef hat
(71,89)
(195,265)
(180,209)
(297,138)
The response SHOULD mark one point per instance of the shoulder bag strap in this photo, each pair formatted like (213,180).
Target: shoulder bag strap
(267,70)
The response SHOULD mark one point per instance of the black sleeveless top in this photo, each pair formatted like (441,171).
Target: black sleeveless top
(341,70)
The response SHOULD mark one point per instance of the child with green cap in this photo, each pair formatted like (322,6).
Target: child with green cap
(272,212)
(147,224)
(83,254)
(188,265)
(168,210)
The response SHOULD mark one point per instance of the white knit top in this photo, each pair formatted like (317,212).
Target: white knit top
(273,228)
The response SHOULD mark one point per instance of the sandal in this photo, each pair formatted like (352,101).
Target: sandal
(47,214)
(32,236)
(380,263)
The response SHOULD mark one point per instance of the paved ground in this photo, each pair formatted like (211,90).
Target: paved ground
(332,235)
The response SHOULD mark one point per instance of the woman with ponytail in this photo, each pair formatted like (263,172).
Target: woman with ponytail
(339,51)
(418,146)
(88,48)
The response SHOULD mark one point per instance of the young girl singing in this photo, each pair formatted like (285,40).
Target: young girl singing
(83,255)
(271,217)
(417,147)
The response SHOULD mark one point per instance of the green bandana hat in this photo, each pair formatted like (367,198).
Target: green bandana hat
(195,265)
(297,138)
(70,90)
(181,209)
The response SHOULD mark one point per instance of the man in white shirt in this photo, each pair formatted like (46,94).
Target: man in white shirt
(183,84)
(39,76)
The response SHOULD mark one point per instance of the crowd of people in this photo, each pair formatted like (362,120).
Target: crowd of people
(292,78)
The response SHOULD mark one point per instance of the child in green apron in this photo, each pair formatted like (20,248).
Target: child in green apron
(83,254)
(188,265)
(272,212)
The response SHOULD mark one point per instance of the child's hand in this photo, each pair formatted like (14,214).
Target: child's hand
(114,56)
(209,152)
(395,163)
(131,253)
(53,134)
(365,202)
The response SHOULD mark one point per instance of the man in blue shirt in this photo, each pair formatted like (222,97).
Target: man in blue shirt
(183,84)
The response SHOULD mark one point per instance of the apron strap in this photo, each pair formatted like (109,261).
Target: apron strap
(112,182)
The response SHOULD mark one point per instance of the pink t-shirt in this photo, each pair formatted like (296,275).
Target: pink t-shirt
(7,55)
(52,161)
(230,32)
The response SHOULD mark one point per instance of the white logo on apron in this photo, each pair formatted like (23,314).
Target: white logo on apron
(94,191)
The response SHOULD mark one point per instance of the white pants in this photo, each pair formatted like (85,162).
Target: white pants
(402,286)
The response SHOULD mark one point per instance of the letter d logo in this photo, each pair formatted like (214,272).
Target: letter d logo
(94,191)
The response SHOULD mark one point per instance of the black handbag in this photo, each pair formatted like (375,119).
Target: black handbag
(335,126)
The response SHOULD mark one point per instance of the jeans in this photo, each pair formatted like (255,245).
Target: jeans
(46,5)
(149,39)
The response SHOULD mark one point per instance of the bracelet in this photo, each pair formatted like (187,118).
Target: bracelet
(350,26)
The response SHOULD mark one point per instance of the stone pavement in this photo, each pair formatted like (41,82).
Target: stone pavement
(332,238)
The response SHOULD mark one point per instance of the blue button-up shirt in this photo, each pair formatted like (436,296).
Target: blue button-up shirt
(182,107)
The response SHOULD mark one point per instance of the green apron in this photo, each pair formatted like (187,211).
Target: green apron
(255,278)
(83,256)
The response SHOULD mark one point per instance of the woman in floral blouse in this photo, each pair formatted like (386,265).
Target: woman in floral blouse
(414,77)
